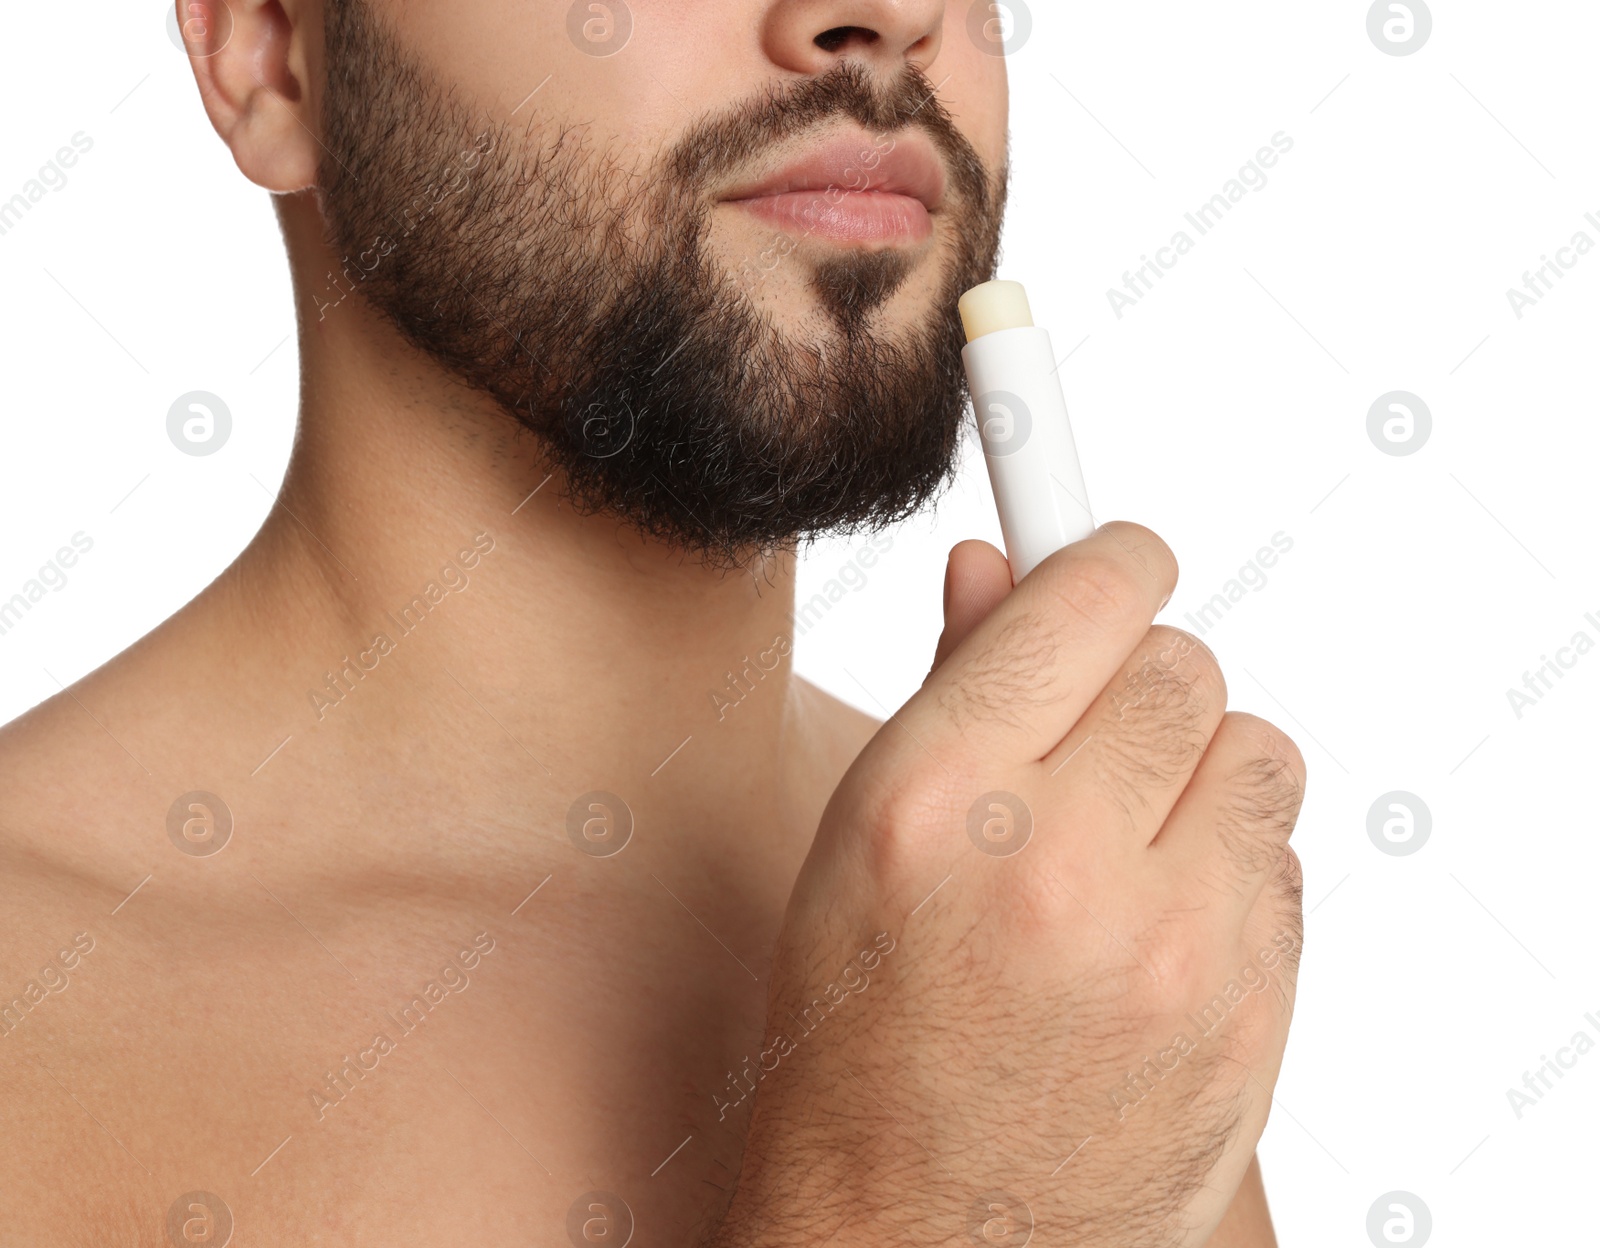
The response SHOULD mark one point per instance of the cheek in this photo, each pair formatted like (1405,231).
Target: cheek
(975,86)
(557,61)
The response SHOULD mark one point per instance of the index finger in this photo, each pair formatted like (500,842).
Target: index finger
(1020,680)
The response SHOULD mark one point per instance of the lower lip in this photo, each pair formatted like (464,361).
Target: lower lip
(853,216)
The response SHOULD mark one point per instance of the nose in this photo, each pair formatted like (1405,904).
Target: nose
(812,36)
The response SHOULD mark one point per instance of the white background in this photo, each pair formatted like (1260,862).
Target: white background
(1229,405)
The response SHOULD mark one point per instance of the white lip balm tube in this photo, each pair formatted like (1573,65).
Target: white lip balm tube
(1022,420)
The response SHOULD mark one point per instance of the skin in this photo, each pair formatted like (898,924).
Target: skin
(372,843)
(1107,987)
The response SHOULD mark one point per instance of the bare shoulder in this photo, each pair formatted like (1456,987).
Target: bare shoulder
(65,811)
(59,809)
(69,794)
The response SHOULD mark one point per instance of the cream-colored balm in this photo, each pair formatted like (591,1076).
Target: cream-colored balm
(1022,420)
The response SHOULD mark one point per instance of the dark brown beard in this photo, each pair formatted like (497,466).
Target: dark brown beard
(577,290)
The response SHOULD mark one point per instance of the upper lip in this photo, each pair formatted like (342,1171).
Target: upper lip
(901,164)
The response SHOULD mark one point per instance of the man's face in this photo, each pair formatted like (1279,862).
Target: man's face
(708,251)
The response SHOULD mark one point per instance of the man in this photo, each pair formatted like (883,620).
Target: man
(403,889)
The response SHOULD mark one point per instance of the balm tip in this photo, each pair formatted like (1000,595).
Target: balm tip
(994,306)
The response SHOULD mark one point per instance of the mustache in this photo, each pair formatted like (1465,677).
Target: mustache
(721,145)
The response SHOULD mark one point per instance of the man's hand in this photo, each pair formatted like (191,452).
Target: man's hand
(1038,968)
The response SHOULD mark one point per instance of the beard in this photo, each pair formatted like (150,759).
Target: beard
(578,289)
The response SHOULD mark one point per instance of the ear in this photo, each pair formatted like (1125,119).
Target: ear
(253,62)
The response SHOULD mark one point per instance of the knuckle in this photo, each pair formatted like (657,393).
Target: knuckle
(1181,663)
(1163,711)
(1194,655)
(1260,991)
(903,814)
(1278,746)
(1256,1024)
(1179,966)
(1274,778)
(1100,588)
(1001,683)
(1144,544)
(1263,794)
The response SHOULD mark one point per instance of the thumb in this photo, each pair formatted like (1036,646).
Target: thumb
(976,578)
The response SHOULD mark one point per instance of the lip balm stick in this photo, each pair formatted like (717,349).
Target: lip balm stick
(1022,420)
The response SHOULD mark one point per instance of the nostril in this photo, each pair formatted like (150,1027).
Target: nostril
(839,36)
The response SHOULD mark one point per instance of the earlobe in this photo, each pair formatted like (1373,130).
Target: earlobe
(251,62)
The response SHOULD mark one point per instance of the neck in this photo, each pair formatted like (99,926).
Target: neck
(453,623)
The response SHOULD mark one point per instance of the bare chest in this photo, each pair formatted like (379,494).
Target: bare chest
(427,1074)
